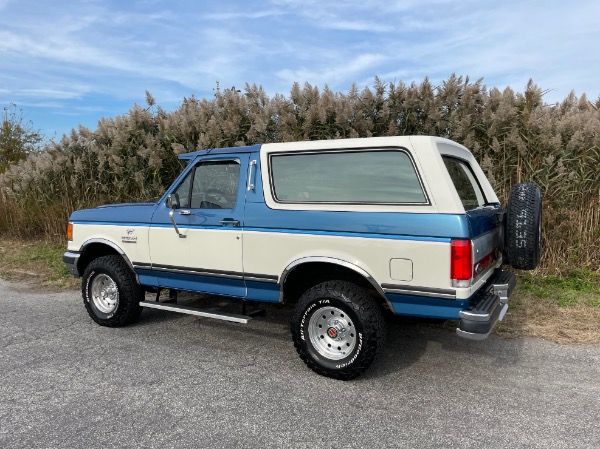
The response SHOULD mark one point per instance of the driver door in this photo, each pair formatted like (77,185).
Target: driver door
(205,255)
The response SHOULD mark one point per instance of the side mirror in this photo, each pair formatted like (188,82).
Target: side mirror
(173,201)
(173,204)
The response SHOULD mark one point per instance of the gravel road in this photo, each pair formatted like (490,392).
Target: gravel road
(178,381)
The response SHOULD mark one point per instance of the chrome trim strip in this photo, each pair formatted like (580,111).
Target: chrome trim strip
(196,272)
(419,291)
(395,291)
(243,319)
(204,272)
(265,277)
(113,246)
(334,261)
(260,279)
(142,265)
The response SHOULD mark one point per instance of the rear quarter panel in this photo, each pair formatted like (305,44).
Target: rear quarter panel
(367,236)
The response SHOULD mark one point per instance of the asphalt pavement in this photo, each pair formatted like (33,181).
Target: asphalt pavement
(179,381)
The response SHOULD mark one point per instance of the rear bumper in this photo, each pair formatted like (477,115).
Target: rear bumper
(71,258)
(487,306)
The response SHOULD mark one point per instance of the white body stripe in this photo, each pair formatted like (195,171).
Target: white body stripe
(138,251)
(271,253)
(214,249)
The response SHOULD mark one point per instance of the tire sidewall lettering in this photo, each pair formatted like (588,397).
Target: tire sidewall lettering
(352,358)
(523,234)
(87,287)
(98,313)
(306,314)
(358,351)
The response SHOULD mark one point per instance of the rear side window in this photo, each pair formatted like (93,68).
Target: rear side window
(348,177)
(466,184)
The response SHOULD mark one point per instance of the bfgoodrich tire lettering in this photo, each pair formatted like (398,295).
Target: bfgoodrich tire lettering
(338,330)
(523,239)
(110,293)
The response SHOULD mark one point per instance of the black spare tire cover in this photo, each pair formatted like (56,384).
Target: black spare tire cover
(523,231)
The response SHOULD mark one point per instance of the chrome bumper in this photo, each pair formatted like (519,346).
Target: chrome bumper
(71,260)
(487,306)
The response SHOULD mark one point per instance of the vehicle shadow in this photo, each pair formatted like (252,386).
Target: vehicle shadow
(408,338)
(411,339)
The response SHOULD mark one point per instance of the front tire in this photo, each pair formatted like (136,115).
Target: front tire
(110,292)
(338,329)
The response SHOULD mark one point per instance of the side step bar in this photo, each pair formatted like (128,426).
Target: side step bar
(243,319)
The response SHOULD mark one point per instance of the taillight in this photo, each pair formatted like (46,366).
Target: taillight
(70,231)
(461,263)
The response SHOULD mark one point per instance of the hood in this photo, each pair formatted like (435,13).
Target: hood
(123,213)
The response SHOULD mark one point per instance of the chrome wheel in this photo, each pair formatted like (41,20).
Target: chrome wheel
(332,333)
(104,293)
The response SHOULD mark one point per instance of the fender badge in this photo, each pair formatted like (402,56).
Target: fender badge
(129,238)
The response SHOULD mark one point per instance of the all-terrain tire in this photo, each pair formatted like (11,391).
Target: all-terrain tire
(338,329)
(110,292)
(523,233)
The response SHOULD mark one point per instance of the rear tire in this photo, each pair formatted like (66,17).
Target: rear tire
(523,238)
(338,329)
(110,292)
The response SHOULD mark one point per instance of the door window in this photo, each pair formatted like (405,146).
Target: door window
(210,185)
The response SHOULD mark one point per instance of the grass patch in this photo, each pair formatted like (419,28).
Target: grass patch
(37,261)
(577,288)
(563,309)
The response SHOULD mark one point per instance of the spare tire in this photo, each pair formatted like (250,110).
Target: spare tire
(523,232)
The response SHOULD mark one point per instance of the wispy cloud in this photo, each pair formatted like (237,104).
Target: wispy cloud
(53,93)
(335,71)
(245,15)
(98,57)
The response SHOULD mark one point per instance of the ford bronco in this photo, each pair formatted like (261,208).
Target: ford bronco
(346,230)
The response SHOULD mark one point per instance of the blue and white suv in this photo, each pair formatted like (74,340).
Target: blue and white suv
(345,229)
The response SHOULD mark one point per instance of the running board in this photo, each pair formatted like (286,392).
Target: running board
(198,312)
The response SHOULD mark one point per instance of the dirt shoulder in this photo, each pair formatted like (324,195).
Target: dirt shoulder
(529,315)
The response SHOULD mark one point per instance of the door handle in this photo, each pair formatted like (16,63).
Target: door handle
(184,212)
(230,222)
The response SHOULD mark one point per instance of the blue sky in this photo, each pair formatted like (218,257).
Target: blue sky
(72,62)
